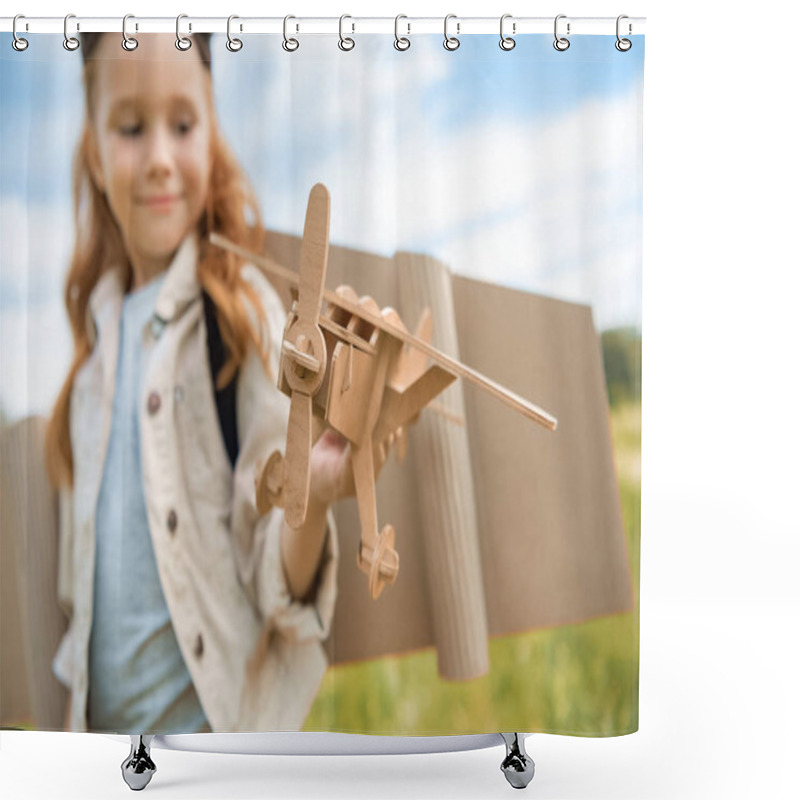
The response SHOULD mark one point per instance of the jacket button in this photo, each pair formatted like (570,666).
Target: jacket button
(172,520)
(198,645)
(153,402)
(157,326)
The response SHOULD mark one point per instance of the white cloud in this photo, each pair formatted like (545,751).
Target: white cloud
(36,246)
(35,340)
(35,352)
(551,205)
(548,205)
(292,126)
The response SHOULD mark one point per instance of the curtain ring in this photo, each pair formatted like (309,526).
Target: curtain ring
(507,42)
(128,42)
(561,43)
(451,42)
(623,45)
(401,43)
(346,43)
(70,42)
(182,42)
(289,45)
(18,43)
(234,45)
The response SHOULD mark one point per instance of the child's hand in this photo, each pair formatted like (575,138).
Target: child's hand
(332,468)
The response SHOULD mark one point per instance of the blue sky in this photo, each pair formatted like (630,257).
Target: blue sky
(532,81)
(521,167)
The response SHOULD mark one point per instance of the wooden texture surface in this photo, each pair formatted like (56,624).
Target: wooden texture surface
(549,523)
(545,504)
(31,621)
(444,486)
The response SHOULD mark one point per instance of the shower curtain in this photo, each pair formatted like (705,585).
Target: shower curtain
(464,553)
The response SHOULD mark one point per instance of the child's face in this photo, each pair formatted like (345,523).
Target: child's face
(153,144)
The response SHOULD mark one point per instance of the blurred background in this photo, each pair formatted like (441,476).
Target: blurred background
(523,168)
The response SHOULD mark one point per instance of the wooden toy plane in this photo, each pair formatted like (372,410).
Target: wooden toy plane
(360,370)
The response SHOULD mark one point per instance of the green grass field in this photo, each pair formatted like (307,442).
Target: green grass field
(578,679)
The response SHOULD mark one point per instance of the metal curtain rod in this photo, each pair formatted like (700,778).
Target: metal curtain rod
(514,26)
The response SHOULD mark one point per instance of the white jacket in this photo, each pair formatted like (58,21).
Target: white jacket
(255,653)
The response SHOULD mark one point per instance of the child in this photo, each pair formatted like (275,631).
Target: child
(188,611)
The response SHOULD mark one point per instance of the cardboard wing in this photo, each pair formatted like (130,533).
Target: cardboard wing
(31,621)
(501,525)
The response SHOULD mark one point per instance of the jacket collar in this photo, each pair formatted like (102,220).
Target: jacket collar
(180,285)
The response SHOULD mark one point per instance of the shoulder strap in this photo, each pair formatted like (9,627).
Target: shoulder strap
(225,398)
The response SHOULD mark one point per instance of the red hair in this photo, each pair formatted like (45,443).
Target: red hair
(99,246)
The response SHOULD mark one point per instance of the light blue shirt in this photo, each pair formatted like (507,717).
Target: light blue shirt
(138,680)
